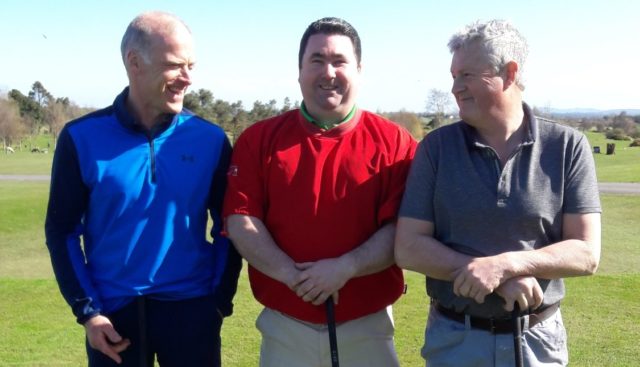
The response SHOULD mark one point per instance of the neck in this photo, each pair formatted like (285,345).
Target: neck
(505,133)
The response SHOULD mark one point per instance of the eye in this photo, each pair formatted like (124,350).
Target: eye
(338,63)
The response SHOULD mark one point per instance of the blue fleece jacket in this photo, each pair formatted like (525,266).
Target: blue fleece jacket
(127,213)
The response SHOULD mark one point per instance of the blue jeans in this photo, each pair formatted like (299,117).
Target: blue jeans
(452,343)
(177,333)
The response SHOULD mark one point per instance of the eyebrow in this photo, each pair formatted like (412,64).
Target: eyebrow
(327,56)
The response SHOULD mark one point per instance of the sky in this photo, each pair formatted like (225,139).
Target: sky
(583,54)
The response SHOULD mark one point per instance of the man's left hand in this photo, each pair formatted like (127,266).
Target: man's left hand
(321,279)
(478,278)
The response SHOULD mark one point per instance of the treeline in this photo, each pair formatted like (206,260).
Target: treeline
(35,113)
(617,127)
(40,112)
(234,118)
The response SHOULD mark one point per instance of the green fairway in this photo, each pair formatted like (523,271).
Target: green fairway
(37,328)
(624,166)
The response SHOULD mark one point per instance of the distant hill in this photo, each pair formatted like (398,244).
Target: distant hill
(591,112)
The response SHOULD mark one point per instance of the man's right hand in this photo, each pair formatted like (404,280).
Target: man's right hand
(522,289)
(103,337)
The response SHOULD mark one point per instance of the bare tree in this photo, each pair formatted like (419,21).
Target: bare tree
(11,126)
(56,115)
(439,102)
(409,121)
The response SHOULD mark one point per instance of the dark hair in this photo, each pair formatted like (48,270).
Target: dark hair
(330,26)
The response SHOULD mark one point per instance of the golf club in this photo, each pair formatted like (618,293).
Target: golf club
(517,334)
(142,325)
(331,324)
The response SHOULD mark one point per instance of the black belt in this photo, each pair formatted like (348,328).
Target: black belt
(496,326)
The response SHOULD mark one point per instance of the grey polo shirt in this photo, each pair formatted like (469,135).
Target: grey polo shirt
(480,209)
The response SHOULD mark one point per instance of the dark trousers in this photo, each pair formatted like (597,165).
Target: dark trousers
(177,333)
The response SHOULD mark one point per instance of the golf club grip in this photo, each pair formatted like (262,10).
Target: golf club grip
(517,335)
(331,324)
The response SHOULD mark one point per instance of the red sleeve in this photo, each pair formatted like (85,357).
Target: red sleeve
(245,188)
(395,176)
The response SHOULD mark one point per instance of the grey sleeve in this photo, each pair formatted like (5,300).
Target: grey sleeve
(417,201)
(581,185)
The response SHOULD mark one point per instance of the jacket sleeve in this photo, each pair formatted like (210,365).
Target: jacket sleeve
(68,200)
(228,283)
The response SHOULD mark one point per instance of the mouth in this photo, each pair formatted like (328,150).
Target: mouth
(328,87)
(176,91)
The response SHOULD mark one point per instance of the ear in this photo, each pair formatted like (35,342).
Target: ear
(134,60)
(511,71)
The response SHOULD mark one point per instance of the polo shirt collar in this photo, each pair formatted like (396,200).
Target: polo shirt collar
(325,126)
(531,133)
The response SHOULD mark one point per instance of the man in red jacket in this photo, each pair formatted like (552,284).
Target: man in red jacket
(311,204)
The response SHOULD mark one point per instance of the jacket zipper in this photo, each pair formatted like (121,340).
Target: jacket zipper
(152,156)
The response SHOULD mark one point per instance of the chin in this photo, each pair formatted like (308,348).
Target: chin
(174,108)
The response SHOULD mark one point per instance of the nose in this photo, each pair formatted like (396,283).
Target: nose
(329,70)
(457,86)
(185,74)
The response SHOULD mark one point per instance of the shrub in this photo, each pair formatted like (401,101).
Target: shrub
(617,134)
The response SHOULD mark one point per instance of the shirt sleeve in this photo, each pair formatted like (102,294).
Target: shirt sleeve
(68,200)
(581,185)
(417,201)
(396,177)
(245,194)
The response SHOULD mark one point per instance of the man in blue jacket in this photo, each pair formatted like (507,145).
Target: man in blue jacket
(134,181)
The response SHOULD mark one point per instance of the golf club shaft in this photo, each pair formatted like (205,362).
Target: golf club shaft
(331,324)
(517,335)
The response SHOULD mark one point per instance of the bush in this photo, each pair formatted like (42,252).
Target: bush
(635,143)
(617,134)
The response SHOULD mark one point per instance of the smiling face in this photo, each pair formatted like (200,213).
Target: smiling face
(477,88)
(159,77)
(329,77)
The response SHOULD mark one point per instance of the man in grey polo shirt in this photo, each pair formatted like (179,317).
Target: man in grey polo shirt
(498,208)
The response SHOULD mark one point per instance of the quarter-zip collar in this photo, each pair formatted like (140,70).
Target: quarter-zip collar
(128,120)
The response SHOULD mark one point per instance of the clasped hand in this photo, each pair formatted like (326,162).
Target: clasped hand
(316,281)
(485,275)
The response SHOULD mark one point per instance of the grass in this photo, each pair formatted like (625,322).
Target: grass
(624,166)
(37,328)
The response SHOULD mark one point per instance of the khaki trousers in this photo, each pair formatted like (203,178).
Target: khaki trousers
(364,342)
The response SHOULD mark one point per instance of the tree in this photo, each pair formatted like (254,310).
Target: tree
(286,105)
(261,111)
(40,94)
(11,127)
(30,111)
(625,124)
(409,121)
(56,116)
(439,102)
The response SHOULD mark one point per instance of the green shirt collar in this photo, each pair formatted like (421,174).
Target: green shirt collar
(325,126)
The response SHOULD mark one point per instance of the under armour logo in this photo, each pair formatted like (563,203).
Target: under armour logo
(187,158)
(233,171)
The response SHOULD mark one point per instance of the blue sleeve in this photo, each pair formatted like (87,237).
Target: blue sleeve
(228,282)
(68,198)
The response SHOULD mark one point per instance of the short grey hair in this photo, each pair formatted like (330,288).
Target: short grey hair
(142,28)
(501,40)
